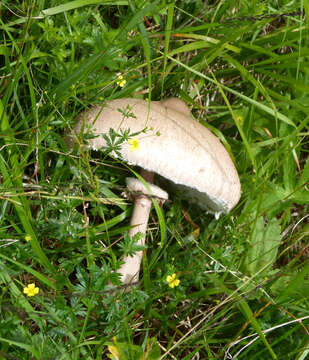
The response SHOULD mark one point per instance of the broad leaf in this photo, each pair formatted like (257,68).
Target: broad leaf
(264,246)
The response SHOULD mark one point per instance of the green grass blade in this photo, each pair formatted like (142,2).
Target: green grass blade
(245,308)
(21,205)
(72,5)
(167,36)
(43,279)
(211,41)
(298,281)
(259,105)
(31,349)
(93,62)
(21,298)
(22,209)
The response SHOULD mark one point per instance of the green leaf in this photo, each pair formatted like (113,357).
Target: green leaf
(275,199)
(127,351)
(123,351)
(245,308)
(31,349)
(23,210)
(43,279)
(304,178)
(153,351)
(264,244)
(94,61)
(168,29)
(295,284)
(258,104)
(71,5)
(129,244)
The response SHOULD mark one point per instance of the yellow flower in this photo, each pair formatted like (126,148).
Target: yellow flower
(121,81)
(27,238)
(134,144)
(172,280)
(31,290)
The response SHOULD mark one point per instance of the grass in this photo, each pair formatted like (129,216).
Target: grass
(244,284)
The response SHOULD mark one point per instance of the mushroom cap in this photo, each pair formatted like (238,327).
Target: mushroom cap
(174,145)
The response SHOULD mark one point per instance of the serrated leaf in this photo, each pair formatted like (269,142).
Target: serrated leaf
(130,244)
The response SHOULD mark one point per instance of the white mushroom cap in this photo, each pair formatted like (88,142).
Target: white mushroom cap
(174,146)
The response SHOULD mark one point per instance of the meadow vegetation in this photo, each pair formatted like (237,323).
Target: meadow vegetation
(243,286)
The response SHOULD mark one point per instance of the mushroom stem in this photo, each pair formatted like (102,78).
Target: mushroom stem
(129,271)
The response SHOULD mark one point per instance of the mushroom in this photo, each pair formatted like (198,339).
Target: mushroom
(173,145)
